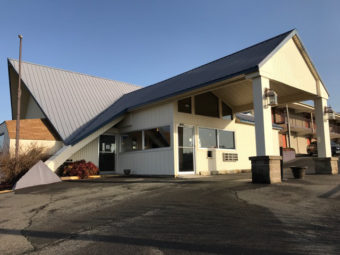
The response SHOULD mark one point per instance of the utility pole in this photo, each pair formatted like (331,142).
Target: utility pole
(17,131)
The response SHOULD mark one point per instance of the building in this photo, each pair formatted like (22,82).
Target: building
(190,123)
(299,126)
(34,132)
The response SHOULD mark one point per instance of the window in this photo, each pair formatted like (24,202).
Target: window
(226,139)
(157,137)
(208,138)
(131,141)
(184,105)
(227,113)
(207,104)
(1,142)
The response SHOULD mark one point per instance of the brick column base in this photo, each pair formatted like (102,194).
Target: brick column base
(326,165)
(266,169)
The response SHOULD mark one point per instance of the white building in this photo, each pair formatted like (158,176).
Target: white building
(189,123)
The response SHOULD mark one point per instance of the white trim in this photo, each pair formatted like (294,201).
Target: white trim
(185,147)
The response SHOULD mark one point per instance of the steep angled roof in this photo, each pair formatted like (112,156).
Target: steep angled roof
(241,62)
(69,99)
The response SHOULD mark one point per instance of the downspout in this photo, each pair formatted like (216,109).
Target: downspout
(288,125)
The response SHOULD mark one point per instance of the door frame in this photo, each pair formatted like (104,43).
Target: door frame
(116,154)
(193,149)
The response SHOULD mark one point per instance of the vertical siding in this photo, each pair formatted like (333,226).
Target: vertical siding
(154,161)
(149,162)
(6,144)
(156,116)
(88,153)
(33,111)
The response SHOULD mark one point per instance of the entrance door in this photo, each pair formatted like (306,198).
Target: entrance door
(107,153)
(186,149)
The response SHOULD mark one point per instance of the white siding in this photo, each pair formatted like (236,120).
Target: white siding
(6,142)
(88,153)
(148,162)
(50,147)
(245,144)
(288,66)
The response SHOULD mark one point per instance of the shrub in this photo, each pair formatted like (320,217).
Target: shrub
(81,168)
(10,174)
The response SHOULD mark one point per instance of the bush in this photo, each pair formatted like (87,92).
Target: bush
(10,174)
(81,168)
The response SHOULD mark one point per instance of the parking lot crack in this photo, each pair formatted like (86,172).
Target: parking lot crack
(35,211)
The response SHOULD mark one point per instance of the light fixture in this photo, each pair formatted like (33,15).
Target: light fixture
(330,112)
(271,95)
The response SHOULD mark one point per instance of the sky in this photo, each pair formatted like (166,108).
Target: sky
(144,42)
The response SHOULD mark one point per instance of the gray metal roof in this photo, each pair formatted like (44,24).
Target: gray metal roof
(241,62)
(247,118)
(69,99)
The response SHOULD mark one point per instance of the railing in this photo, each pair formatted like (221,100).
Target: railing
(300,123)
(334,128)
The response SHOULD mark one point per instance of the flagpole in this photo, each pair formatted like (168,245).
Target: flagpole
(17,137)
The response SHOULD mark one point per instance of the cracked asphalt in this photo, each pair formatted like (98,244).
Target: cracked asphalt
(209,215)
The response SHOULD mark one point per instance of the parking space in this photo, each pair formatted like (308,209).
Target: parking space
(212,215)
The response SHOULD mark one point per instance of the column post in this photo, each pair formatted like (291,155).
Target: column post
(265,165)
(324,163)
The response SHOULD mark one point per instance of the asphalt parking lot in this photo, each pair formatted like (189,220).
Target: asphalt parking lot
(210,215)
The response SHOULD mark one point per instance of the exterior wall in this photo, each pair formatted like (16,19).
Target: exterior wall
(6,144)
(50,146)
(289,67)
(153,161)
(299,143)
(245,145)
(33,111)
(89,153)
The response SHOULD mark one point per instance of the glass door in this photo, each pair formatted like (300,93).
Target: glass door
(107,153)
(186,149)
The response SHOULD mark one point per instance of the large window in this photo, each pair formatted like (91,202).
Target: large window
(226,139)
(212,138)
(131,141)
(184,105)
(208,138)
(227,113)
(157,137)
(207,104)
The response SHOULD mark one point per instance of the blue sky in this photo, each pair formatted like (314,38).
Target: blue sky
(143,42)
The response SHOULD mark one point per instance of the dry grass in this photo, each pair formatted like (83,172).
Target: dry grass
(10,173)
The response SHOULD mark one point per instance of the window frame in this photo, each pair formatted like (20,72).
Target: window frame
(121,141)
(165,147)
(191,105)
(217,139)
(234,139)
(199,140)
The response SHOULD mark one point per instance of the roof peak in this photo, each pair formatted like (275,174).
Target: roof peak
(74,72)
(236,52)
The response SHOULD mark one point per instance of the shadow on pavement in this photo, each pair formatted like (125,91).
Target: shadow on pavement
(163,244)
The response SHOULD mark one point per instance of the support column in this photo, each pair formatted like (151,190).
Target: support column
(266,165)
(324,163)
(263,118)
(322,128)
